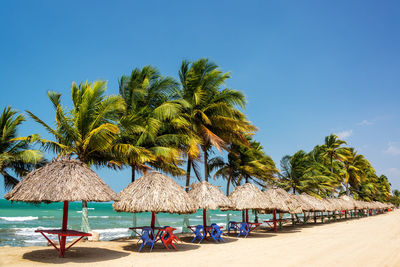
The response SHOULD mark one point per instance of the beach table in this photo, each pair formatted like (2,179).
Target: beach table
(62,235)
(272,223)
(252,226)
(158,233)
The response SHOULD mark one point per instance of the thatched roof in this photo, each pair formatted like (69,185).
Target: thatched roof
(351,203)
(283,201)
(154,192)
(248,196)
(208,196)
(316,204)
(334,204)
(305,205)
(62,180)
(340,204)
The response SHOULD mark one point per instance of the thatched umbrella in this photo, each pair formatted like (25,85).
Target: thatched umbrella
(315,204)
(154,192)
(282,202)
(248,196)
(305,205)
(206,196)
(63,180)
(351,204)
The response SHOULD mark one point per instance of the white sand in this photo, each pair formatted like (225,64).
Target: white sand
(371,241)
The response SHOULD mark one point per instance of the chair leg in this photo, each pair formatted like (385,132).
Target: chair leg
(141,247)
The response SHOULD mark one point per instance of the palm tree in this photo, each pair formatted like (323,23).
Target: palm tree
(210,111)
(333,149)
(292,170)
(147,139)
(396,193)
(16,157)
(88,130)
(355,164)
(245,161)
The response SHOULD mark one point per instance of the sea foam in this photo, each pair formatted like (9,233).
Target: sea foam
(19,219)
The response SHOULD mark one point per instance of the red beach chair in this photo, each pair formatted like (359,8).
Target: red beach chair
(168,237)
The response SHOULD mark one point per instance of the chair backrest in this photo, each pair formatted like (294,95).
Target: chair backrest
(216,228)
(168,233)
(244,226)
(199,228)
(169,230)
(147,232)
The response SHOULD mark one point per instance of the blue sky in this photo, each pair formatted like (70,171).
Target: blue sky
(308,68)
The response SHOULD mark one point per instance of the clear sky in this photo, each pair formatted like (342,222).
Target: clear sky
(308,68)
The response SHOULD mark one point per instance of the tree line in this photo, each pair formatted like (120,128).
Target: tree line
(180,127)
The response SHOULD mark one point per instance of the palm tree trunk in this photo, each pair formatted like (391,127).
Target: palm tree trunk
(331,164)
(85,227)
(228,183)
(205,165)
(134,222)
(189,163)
(347,189)
(133,170)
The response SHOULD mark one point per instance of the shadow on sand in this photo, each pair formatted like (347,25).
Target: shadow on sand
(159,247)
(74,255)
(209,240)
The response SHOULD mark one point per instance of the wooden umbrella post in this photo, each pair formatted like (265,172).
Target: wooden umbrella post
(64,228)
(274,213)
(247,216)
(153,220)
(204,219)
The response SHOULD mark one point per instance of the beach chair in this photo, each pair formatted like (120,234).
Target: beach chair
(199,233)
(232,225)
(148,238)
(216,233)
(168,237)
(244,229)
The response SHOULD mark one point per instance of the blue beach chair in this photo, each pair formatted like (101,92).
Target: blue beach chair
(232,226)
(244,229)
(199,233)
(148,238)
(216,233)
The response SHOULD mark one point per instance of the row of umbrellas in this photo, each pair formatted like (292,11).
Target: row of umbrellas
(71,180)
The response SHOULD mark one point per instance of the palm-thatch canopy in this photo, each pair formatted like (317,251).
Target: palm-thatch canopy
(314,203)
(305,205)
(62,180)
(340,204)
(154,192)
(207,196)
(282,201)
(248,196)
(351,203)
(331,204)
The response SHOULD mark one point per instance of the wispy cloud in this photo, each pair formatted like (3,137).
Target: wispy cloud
(393,149)
(344,134)
(365,123)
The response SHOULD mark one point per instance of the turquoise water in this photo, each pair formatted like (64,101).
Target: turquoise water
(18,220)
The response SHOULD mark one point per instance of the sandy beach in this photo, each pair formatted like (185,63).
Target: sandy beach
(371,241)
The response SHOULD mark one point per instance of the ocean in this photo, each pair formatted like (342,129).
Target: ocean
(19,220)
